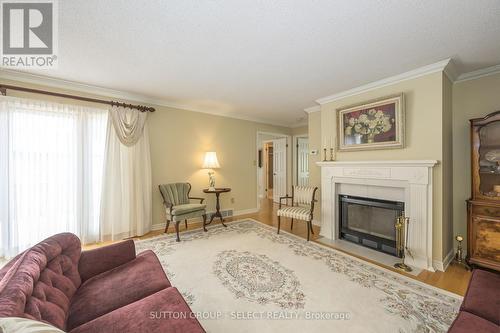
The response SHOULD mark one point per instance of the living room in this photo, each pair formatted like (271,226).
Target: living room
(240,166)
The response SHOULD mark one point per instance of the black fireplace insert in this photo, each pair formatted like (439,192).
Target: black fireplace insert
(369,222)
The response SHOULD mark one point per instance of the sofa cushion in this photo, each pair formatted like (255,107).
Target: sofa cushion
(41,282)
(163,312)
(467,322)
(187,208)
(118,287)
(483,296)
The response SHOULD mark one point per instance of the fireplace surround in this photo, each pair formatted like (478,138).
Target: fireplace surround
(406,181)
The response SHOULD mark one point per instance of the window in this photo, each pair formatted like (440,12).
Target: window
(51,165)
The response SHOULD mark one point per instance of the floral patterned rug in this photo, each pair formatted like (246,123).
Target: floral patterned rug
(246,278)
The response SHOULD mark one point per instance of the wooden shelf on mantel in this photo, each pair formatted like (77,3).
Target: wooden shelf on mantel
(401,163)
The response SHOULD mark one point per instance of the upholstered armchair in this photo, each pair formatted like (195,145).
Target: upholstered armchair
(178,206)
(303,199)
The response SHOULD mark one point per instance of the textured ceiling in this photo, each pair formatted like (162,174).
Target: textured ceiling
(265,59)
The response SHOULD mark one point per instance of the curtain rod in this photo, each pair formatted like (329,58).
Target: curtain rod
(142,108)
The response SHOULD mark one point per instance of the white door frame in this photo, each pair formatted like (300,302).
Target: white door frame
(280,168)
(264,173)
(288,160)
(294,156)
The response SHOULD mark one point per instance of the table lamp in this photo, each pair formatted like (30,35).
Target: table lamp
(210,162)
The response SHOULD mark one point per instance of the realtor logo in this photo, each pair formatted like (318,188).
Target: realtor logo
(29,36)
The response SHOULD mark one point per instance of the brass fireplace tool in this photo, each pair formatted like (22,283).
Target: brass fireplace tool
(402,242)
(459,256)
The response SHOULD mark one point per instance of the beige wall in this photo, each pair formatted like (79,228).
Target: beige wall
(300,130)
(471,99)
(447,167)
(314,130)
(178,140)
(424,136)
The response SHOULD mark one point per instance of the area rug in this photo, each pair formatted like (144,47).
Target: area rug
(246,278)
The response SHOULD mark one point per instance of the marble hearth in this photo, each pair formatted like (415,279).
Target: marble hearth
(406,181)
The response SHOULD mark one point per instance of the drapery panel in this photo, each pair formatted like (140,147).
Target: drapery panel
(126,206)
(128,124)
(51,164)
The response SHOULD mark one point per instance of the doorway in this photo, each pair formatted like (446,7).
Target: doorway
(301,160)
(274,169)
(268,163)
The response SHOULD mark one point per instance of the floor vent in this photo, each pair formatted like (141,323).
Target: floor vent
(224,213)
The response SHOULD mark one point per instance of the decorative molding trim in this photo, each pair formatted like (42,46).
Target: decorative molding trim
(478,73)
(313,109)
(401,163)
(245,211)
(451,71)
(158,226)
(443,265)
(299,125)
(112,93)
(439,66)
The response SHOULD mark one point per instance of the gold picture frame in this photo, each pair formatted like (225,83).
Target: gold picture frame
(375,124)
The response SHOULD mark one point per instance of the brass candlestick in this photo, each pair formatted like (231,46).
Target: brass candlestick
(331,155)
(459,256)
(324,154)
(402,241)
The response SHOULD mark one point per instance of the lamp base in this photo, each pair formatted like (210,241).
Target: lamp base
(211,188)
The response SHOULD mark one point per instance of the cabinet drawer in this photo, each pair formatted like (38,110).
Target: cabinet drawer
(486,237)
(486,211)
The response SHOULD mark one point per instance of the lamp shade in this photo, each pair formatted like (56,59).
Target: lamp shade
(210,161)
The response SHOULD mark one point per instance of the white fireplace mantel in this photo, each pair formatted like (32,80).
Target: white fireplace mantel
(411,178)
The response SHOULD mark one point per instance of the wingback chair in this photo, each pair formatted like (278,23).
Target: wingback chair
(303,199)
(178,206)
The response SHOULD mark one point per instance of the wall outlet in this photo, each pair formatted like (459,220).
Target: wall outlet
(232,200)
(314,152)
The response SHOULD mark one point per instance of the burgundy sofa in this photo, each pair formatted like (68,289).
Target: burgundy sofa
(109,289)
(480,310)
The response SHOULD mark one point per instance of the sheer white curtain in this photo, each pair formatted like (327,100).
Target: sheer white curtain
(126,205)
(51,164)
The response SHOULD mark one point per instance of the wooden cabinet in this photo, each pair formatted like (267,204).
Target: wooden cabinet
(483,209)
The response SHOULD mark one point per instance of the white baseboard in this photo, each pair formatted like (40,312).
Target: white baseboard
(245,211)
(159,226)
(443,265)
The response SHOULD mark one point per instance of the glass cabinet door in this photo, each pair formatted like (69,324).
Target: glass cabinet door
(489,160)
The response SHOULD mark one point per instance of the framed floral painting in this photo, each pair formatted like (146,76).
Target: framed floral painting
(377,124)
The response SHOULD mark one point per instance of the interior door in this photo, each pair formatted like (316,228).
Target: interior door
(303,161)
(279,169)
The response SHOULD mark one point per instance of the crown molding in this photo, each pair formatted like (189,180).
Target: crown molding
(301,124)
(425,70)
(313,109)
(451,70)
(83,88)
(478,73)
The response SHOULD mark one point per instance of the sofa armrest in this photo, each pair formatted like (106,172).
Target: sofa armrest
(94,262)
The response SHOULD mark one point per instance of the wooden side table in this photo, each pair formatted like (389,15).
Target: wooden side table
(217,213)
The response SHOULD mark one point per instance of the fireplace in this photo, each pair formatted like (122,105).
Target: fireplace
(369,222)
(401,181)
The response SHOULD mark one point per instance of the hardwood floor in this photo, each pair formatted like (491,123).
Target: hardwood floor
(455,279)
